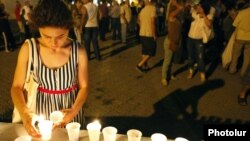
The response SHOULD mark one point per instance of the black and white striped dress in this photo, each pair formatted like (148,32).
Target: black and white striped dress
(58,79)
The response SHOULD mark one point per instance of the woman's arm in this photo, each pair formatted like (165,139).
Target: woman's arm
(174,13)
(83,88)
(82,79)
(17,94)
(208,21)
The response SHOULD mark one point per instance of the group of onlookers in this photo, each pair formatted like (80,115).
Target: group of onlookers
(210,24)
(22,14)
(195,29)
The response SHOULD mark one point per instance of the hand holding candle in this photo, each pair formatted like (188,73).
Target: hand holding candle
(56,117)
(45,128)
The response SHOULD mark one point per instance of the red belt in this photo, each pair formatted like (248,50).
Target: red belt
(41,89)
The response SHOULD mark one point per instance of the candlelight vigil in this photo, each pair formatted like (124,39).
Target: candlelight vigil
(124,70)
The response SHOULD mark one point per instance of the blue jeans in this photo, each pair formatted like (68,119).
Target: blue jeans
(116,28)
(91,34)
(195,49)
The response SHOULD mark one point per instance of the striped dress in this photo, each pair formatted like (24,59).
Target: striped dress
(59,80)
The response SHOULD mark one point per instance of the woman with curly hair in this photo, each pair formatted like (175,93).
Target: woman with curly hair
(61,70)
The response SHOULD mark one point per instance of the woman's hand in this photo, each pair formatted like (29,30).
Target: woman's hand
(28,125)
(69,114)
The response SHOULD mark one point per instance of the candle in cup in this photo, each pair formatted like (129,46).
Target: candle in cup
(45,128)
(180,139)
(56,117)
(158,137)
(94,130)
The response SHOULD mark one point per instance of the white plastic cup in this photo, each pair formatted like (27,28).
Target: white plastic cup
(180,139)
(73,130)
(134,135)
(56,117)
(109,133)
(23,138)
(158,137)
(45,128)
(94,131)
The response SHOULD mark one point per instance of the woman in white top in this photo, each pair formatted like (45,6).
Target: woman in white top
(202,14)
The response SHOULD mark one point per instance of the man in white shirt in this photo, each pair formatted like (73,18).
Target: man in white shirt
(125,12)
(147,33)
(90,17)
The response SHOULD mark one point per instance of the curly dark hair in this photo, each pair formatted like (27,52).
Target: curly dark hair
(54,13)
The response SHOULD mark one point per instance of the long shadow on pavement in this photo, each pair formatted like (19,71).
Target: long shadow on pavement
(175,115)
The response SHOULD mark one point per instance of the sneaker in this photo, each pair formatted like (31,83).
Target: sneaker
(140,69)
(164,82)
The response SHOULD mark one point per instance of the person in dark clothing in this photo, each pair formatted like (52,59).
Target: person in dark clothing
(6,30)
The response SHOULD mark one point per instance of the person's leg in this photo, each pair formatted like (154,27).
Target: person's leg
(101,29)
(86,37)
(95,43)
(27,31)
(113,28)
(166,63)
(246,59)
(200,60)
(236,54)
(124,32)
(242,97)
(191,57)
(5,42)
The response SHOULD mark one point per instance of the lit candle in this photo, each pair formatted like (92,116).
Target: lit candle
(45,128)
(94,130)
(158,137)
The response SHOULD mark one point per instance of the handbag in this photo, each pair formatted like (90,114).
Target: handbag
(30,85)
(227,53)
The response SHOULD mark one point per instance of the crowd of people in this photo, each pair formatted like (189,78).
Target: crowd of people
(195,29)
(204,28)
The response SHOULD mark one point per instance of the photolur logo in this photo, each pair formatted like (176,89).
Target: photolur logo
(235,132)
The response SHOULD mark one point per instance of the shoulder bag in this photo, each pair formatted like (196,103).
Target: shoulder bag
(31,85)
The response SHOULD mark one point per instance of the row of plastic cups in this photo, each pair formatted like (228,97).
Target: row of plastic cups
(109,134)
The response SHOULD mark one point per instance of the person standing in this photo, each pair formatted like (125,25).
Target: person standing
(90,17)
(242,42)
(202,14)
(5,29)
(77,18)
(61,72)
(25,14)
(104,20)
(172,40)
(125,12)
(18,17)
(114,13)
(146,21)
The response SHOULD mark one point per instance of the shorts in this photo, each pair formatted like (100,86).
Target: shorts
(148,46)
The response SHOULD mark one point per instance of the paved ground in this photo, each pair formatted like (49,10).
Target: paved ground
(122,97)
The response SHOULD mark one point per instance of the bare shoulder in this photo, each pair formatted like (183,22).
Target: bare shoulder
(82,53)
(24,51)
